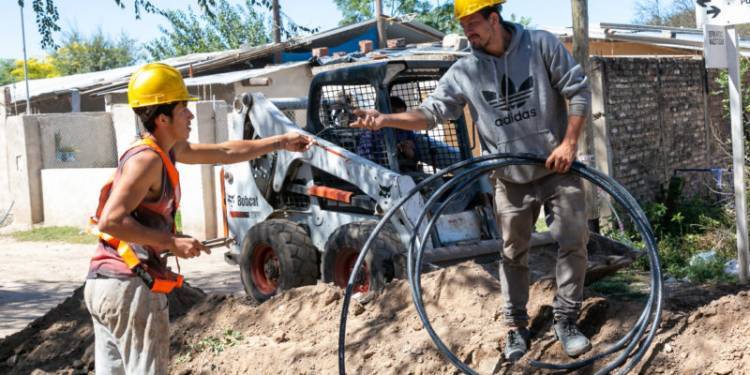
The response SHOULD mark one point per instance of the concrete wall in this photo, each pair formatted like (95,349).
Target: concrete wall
(126,126)
(198,207)
(284,84)
(5,193)
(58,103)
(90,134)
(653,113)
(30,147)
(24,168)
(71,195)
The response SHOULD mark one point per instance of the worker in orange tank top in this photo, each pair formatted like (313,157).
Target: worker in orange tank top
(130,318)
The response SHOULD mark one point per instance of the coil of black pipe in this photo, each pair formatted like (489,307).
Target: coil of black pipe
(464,174)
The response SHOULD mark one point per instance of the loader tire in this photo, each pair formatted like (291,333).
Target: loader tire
(277,255)
(384,262)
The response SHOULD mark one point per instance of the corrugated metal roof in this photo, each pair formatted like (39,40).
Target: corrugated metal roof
(116,79)
(663,36)
(84,81)
(236,76)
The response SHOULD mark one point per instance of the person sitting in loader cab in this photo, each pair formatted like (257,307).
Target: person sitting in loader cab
(371,143)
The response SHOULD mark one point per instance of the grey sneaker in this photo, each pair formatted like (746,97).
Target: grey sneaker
(574,343)
(515,344)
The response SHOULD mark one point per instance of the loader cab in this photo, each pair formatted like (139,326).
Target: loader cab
(335,94)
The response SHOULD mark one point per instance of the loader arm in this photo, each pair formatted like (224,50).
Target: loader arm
(379,183)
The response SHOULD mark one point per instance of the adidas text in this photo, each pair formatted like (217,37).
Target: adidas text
(515,117)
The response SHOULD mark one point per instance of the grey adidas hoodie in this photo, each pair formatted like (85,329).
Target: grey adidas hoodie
(518,100)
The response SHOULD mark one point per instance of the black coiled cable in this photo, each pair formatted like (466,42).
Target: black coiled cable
(465,173)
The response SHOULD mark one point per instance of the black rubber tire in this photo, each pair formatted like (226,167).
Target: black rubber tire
(384,262)
(294,259)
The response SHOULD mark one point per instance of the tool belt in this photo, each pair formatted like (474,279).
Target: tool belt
(158,282)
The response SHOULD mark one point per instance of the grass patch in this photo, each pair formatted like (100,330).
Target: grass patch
(541,225)
(622,285)
(215,344)
(54,234)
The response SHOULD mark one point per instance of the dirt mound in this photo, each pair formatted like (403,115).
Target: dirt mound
(704,330)
(713,339)
(62,340)
(297,332)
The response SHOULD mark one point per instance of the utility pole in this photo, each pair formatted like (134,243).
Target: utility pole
(580,10)
(276,30)
(382,41)
(581,54)
(25,64)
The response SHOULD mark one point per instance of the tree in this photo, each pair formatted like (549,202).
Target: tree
(681,13)
(439,17)
(98,52)
(47,16)
(6,65)
(37,69)
(230,27)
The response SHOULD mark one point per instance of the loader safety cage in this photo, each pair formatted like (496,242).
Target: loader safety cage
(334,95)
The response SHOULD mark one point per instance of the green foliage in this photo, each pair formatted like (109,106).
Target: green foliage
(354,11)
(80,54)
(683,227)
(723,81)
(47,16)
(6,65)
(54,234)
(439,17)
(37,69)
(623,285)
(215,344)
(702,271)
(229,28)
(681,13)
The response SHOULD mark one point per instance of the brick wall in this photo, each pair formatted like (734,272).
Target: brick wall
(656,114)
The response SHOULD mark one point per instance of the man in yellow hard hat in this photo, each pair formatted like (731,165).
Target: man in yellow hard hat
(526,95)
(136,216)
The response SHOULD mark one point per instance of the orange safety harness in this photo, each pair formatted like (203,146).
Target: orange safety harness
(158,282)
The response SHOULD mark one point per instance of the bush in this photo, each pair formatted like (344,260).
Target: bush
(684,227)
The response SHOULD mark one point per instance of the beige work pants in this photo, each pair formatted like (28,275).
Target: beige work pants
(517,208)
(131,327)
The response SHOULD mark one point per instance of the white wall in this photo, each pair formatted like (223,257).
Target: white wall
(198,207)
(71,195)
(90,134)
(5,193)
(24,169)
(126,126)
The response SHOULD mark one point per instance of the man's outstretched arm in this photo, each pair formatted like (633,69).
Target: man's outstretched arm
(238,151)
(371,119)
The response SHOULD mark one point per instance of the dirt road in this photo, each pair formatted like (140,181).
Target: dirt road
(36,276)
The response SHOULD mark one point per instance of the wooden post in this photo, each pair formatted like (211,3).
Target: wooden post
(581,54)
(276,30)
(586,142)
(382,38)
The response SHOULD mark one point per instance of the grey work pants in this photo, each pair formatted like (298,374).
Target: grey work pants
(517,208)
(131,327)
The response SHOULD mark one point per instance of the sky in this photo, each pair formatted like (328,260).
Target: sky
(87,16)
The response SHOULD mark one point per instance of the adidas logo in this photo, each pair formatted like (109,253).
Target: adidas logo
(516,97)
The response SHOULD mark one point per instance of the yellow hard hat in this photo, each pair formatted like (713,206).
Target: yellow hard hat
(463,8)
(156,84)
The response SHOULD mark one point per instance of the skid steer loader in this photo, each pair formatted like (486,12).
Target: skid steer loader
(300,217)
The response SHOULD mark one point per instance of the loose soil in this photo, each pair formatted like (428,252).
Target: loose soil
(704,330)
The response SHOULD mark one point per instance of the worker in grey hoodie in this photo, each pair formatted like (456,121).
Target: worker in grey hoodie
(526,95)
